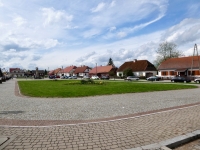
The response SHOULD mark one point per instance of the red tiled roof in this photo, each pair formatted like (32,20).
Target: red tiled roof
(81,69)
(138,65)
(52,72)
(101,69)
(13,69)
(179,63)
(68,69)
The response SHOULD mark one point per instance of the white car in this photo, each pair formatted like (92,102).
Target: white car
(197,80)
(95,77)
(131,78)
(86,77)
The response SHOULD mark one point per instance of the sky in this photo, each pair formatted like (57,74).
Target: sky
(51,34)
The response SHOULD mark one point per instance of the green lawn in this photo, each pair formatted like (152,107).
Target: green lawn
(74,88)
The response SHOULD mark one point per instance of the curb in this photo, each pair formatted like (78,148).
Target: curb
(171,143)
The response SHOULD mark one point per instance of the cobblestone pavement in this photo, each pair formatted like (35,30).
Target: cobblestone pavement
(117,134)
(122,134)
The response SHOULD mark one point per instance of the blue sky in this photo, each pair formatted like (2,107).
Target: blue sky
(49,34)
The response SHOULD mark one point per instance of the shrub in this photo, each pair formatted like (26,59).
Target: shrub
(89,81)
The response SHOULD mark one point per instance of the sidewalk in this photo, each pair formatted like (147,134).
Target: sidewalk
(124,133)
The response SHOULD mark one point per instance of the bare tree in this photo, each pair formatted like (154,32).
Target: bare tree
(165,51)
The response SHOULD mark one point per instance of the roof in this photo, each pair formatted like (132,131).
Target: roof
(179,63)
(81,69)
(137,65)
(101,69)
(13,69)
(52,72)
(68,69)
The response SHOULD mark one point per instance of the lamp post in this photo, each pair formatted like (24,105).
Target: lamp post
(96,69)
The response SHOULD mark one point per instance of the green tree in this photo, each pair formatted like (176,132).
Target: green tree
(110,62)
(128,72)
(45,72)
(165,51)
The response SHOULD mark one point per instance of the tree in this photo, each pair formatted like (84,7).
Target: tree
(110,62)
(128,72)
(45,72)
(165,51)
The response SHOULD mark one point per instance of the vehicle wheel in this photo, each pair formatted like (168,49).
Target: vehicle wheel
(199,81)
(172,81)
(185,81)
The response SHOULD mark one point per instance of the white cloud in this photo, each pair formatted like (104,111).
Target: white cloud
(112,4)
(91,33)
(186,31)
(54,16)
(121,34)
(112,28)
(1,4)
(19,21)
(99,7)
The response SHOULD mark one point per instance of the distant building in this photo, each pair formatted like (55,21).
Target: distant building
(82,71)
(103,70)
(68,71)
(17,72)
(181,66)
(139,68)
(54,72)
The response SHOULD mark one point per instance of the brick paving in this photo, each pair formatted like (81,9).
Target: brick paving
(118,134)
(121,134)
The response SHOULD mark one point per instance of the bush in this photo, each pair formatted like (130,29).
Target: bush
(89,81)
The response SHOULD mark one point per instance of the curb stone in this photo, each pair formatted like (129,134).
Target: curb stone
(171,143)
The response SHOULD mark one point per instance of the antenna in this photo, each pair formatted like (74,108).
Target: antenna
(195,50)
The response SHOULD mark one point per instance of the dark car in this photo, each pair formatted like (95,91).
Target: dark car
(180,79)
(153,78)
(105,77)
(52,77)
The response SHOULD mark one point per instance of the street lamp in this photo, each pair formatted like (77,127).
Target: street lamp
(96,69)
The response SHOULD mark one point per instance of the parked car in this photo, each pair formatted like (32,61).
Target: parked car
(86,77)
(52,77)
(197,80)
(153,78)
(72,77)
(105,77)
(95,77)
(62,77)
(131,78)
(57,76)
(180,79)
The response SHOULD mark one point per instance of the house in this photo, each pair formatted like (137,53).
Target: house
(68,71)
(41,73)
(54,72)
(139,68)
(181,66)
(82,71)
(103,71)
(17,72)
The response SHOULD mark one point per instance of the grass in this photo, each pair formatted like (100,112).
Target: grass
(74,88)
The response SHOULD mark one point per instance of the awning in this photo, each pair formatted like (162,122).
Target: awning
(181,70)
